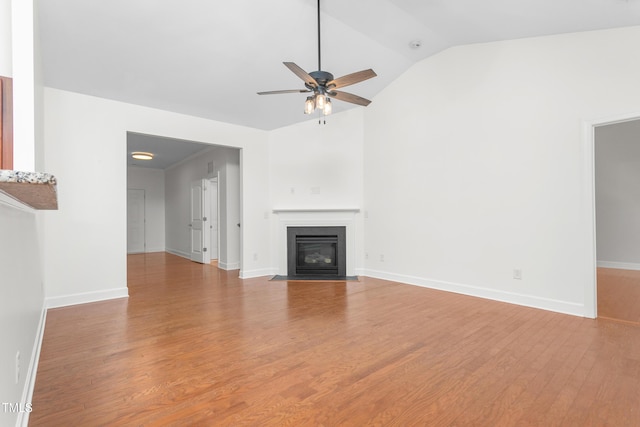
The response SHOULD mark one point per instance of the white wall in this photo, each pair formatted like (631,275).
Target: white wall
(152,182)
(86,150)
(475,166)
(318,166)
(178,183)
(617,166)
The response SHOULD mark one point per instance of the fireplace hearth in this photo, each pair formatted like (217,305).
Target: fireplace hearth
(316,252)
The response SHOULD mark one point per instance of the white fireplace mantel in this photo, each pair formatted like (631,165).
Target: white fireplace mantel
(309,210)
(294,217)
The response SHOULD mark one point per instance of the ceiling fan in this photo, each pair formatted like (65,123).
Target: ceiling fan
(323,85)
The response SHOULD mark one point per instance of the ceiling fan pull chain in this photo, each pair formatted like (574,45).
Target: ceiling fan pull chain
(322,119)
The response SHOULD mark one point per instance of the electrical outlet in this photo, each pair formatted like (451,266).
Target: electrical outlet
(17,367)
(517,274)
(255,257)
(366,255)
(381,258)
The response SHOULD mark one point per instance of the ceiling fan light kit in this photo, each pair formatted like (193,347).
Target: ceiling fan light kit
(322,85)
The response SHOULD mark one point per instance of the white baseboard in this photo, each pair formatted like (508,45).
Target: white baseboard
(229,265)
(153,250)
(85,297)
(221,265)
(492,294)
(619,265)
(30,379)
(259,272)
(177,252)
(147,251)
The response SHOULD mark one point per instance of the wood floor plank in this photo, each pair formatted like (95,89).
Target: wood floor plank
(195,345)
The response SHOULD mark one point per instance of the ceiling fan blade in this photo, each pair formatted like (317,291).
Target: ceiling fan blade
(301,73)
(349,97)
(275,92)
(351,79)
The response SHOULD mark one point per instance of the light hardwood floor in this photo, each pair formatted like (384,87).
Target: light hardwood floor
(194,345)
(619,295)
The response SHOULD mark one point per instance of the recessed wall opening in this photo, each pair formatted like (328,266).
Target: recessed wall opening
(188,181)
(616,156)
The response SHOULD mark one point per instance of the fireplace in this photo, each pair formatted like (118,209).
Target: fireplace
(316,251)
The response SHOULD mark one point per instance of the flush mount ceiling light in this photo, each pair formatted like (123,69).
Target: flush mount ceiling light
(141,155)
(322,85)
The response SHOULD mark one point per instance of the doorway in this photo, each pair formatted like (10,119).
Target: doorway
(617,209)
(174,172)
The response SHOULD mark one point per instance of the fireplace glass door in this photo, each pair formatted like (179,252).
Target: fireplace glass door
(316,254)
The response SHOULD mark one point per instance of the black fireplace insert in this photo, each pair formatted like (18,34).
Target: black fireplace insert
(316,251)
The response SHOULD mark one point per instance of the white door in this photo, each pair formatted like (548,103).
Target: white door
(198,223)
(135,221)
(213,219)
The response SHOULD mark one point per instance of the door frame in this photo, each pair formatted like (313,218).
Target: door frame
(589,197)
(215,180)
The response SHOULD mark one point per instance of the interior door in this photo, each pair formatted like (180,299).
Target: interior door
(135,221)
(198,224)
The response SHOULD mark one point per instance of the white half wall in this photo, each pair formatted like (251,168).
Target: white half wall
(85,149)
(21,304)
(475,166)
(152,182)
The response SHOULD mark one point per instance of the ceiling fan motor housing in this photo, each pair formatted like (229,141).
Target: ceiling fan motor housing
(322,77)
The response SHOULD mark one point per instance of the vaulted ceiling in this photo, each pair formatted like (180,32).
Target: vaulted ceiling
(208,58)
